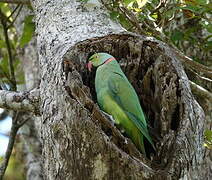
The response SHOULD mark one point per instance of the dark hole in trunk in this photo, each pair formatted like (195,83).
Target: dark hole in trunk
(138,61)
(175,118)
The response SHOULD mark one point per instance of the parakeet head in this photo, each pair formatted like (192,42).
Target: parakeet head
(98,59)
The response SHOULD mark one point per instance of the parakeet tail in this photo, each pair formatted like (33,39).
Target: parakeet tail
(141,145)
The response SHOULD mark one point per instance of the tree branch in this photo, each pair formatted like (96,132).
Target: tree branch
(3,115)
(17,122)
(200,91)
(13,132)
(20,101)
(27,2)
(189,63)
(198,79)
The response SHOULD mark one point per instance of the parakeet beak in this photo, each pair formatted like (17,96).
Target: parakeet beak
(89,65)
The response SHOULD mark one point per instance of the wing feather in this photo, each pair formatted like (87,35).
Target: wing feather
(125,96)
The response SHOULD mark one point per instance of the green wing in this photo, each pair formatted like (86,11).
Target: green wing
(141,127)
(126,97)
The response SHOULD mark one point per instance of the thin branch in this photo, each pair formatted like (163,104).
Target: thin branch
(20,101)
(13,11)
(25,2)
(161,4)
(204,82)
(11,67)
(197,67)
(131,18)
(200,91)
(16,16)
(13,133)
(3,115)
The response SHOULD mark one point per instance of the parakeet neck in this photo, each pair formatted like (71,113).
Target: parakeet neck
(109,60)
(109,63)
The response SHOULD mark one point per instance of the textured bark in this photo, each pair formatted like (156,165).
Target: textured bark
(78,140)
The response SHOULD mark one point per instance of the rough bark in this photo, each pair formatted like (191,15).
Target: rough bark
(78,143)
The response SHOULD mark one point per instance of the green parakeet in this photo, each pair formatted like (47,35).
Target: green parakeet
(117,97)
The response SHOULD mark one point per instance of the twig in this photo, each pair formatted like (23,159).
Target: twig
(15,16)
(25,2)
(13,11)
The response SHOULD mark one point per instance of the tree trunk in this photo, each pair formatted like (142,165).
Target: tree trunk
(78,140)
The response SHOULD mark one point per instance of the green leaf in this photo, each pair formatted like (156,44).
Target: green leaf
(208,135)
(28,31)
(4,64)
(5,9)
(127,2)
(208,139)
(208,46)
(191,8)
(177,36)
(114,15)
(2,44)
(123,21)
(154,16)
(209,28)
(202,2)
